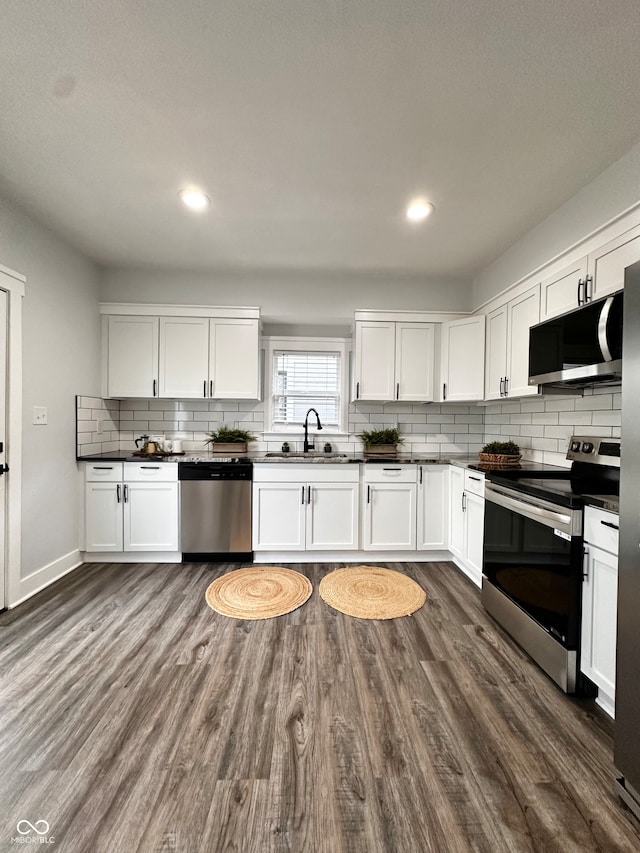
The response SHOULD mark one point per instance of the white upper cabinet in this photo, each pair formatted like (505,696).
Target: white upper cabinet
(181,357)
(599,273)
(414,361)
(184,357)
(394,361)
(607,264)
(234,359)
(507,363)
(462,364)
(559,292)
(130,356)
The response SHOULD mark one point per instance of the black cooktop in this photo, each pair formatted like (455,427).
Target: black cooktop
(568,487)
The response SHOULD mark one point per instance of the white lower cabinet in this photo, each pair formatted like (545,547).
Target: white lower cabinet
(466,521)
(600,604)
(433,508)
(297,509)
(389,508)
(131,507)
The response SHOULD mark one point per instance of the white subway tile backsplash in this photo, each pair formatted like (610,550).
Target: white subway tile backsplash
(544,418)
(560,404)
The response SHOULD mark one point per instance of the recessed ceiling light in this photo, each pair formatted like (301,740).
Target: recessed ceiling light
(419,209)
(195,199)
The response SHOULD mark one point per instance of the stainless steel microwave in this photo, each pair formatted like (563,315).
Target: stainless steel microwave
(581,347)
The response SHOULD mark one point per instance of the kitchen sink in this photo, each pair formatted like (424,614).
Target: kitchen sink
(300,455)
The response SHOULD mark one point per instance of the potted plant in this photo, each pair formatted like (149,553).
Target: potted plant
(225,440)
(381,442)
(500,453)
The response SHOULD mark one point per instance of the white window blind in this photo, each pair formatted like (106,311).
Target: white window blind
(302,380)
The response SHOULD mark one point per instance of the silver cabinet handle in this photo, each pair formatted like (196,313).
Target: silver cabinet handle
(501,386)
(506,386)
(588,293)
(585,563)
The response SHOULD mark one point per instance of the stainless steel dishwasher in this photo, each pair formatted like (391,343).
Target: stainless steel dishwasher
(215,510)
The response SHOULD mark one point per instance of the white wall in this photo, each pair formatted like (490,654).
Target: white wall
(61,351)
(285,296)
(608,195)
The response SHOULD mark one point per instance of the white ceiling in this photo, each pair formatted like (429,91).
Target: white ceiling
(311,123)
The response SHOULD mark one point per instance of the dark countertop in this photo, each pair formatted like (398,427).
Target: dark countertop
(319,458)
(608,502)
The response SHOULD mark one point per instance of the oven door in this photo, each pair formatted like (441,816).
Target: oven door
(533,554)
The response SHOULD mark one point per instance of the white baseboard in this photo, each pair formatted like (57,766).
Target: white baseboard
(473,575)
(132,557)
(45,576)
(351,556)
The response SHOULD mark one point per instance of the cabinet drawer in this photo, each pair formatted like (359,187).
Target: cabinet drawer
(107,472)
(161,472)
(601,529)
(474,483)
(299,472)
(389,473)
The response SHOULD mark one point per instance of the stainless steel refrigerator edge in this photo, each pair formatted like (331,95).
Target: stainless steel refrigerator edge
(627,725)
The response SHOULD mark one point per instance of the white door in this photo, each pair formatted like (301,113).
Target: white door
(496,360)
(332,516)
(279,511)
(559,292)
(234,359)
(150,516)
(607,264)
(463,359)
(433,506)
(132,356)
(524,312)
(456,513)
(103,516)
(414,361)
(599,618)
(184,357)
(3,442)
(474,530)
(375,357)
(390,517)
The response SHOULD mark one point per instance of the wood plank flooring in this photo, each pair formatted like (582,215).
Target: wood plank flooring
(134,718)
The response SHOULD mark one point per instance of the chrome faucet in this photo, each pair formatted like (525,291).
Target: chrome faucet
(309,445)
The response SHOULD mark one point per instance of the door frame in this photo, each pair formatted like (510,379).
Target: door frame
(14,285)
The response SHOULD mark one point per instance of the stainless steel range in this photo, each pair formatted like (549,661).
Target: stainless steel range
(533,551)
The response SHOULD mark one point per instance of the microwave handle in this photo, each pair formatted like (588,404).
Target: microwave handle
(603,325)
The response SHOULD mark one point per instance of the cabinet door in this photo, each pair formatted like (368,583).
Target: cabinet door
(279,516)
(607,264)
(184,357)
(463,359)
(234,359)
(375,360)
(496,359)
(131,356)
(414,361)
(599,619)
(390,517)
(474,532)
(456,514)
(151,517)
(332,516)
(433,507)
(524,312)
(559,292)
(103,517)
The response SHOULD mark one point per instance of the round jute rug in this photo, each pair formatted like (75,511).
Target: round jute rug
(368,592)
(260,592)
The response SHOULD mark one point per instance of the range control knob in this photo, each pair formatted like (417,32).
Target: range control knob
(575,446)
(587,447)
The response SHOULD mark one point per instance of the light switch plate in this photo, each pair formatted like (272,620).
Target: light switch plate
(40,415)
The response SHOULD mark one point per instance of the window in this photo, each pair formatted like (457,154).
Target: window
(306,373)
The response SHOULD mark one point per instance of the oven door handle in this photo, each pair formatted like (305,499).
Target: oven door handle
(548,517)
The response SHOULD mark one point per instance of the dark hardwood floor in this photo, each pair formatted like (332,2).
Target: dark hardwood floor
(134,718)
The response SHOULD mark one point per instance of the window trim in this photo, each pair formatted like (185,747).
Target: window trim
(276,343)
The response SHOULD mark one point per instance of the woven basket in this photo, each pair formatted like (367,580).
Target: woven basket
(233,448)
(500,458)
(381,450)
